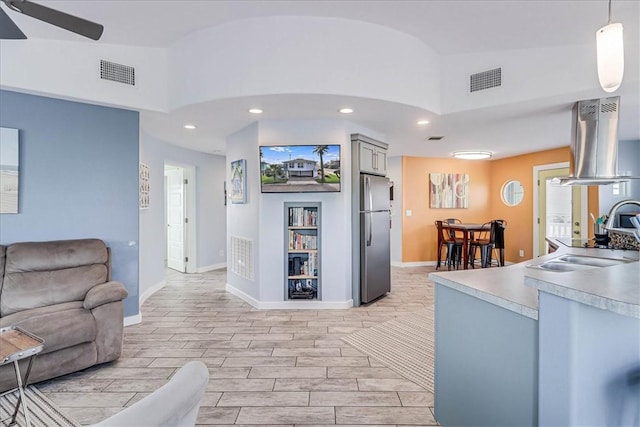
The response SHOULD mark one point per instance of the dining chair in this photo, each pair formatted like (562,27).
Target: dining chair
(454,247)
(498,245)
(452,233)
(490,239)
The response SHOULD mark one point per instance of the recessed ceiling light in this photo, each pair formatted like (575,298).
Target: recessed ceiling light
(190,127)
(346,110)
(255,111)
(472,155)
(423,122)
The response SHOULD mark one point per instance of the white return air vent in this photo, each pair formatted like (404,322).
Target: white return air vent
(117,72)
(242,257)
(485,80)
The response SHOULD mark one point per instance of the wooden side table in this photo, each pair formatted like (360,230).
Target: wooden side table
(17,344)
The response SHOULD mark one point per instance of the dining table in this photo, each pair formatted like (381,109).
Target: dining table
(467,230)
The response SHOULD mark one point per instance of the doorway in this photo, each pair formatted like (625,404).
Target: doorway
(179,218)
(559,211)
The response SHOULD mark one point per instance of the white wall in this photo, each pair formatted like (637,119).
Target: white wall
(210,210)
(71,70)
(262,218)
(243,220)
(317,56)
(335,239)
(394,168)
(527,74)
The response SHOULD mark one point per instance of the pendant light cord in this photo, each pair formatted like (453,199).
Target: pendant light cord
(609,22)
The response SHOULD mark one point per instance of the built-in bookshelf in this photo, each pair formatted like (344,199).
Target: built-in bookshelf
(302,251)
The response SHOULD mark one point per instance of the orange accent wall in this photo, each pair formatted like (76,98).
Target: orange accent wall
(519,232)
(485,182)
(419,235)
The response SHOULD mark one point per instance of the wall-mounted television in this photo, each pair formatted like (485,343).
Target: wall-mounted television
(300,168)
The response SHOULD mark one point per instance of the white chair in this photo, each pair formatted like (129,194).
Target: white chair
(175,404)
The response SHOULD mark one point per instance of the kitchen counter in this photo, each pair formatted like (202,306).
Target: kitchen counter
(502,286)
(526,346)
(615,289)
(515,287)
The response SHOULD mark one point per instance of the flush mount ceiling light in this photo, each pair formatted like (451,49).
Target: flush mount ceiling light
(255,111)
(610,54)
(423,122)
(345,110)
(472,155)
(190,127)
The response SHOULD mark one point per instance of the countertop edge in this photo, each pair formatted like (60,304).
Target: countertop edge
(597,301)
(486,296)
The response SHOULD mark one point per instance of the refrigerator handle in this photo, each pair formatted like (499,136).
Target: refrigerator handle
(367,194)
(367,218)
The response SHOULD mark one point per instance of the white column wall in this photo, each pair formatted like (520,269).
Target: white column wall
(335,238)
(243,220)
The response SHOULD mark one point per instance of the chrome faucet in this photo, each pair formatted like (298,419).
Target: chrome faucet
(614,209)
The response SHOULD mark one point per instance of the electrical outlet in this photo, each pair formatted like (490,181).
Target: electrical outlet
(521,253)
(221,252)
(409,213)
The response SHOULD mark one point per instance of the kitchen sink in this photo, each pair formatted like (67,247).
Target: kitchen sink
(590,260)
(576,263)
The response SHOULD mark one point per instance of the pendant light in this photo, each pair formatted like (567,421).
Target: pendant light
(610,54)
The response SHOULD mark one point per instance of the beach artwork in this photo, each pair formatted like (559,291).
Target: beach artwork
(238,181)
(449,190)
(9,162)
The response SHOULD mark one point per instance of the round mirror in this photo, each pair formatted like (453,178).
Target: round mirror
(512,193)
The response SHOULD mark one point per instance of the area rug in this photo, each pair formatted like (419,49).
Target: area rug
(404,344)
(42,411)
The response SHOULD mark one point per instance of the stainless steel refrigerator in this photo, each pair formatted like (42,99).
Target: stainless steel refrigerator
(375,237)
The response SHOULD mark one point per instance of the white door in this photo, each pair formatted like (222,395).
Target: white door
(175,219)
(560,209)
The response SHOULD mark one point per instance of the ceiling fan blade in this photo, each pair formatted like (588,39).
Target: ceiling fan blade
(59,19)
(8,29)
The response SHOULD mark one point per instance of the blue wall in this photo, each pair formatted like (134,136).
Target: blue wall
(628,163)
(78,178)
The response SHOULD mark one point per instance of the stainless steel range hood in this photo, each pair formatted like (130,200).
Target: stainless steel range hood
(594,144)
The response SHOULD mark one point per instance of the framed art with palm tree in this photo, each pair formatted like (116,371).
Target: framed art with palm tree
(238,182)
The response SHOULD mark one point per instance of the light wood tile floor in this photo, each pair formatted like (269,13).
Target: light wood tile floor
(267,367)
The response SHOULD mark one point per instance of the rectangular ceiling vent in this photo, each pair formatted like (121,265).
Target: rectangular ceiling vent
(485,80)
(435,138)
(117,72)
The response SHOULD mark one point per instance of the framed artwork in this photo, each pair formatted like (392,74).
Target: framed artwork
(238,181)
(143,182)
(9,170)
(449,190)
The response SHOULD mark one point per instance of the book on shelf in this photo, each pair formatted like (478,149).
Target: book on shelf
(303,217)
(302,241)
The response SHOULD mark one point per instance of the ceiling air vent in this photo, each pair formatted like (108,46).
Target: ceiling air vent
(117,72)
(485,80)
(435,138)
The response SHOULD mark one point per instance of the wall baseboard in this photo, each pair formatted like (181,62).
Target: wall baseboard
(211,267)
(297,305)
(152,290)
(414,264)
(133,320)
